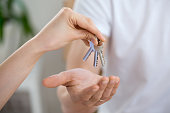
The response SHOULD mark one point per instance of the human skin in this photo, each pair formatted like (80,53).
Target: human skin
(105,92)
(84,88)
(65,27)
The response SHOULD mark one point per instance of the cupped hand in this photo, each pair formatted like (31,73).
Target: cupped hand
(85,87)
(65,27)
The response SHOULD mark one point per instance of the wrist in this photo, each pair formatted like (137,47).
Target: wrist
(34,47)
(79,109)
(47,43)
(68,106)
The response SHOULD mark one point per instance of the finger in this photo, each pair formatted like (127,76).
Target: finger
(103,83)
(88,25)
(86,42)
(56,80)
(113,91)
(86,35)
(88,92)
(115,87)
(102,102)
(109,88)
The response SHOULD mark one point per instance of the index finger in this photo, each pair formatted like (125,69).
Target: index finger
(87,24)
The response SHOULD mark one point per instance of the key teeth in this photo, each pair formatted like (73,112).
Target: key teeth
(95,59)
(102,58)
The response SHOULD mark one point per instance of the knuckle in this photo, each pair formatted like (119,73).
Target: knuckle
(94,99)
(66,10)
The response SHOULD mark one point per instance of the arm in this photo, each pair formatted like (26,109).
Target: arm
(65,27)
(15,69)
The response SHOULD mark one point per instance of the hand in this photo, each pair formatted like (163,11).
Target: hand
(65,27)
(85,87)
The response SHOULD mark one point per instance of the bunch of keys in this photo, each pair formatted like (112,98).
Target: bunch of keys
(98,51)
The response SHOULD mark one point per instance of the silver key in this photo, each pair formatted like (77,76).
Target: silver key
(95,58)
(102,57)
(99,50)
(91,49)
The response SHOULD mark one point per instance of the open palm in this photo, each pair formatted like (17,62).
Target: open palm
(84,86)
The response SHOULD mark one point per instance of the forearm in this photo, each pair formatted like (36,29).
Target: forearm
(68,106)
(16,68)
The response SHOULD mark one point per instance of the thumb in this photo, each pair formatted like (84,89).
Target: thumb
(56,80)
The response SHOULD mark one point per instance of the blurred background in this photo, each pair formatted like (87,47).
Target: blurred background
(19,21)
